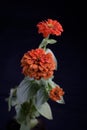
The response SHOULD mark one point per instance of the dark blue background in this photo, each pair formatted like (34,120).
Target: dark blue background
(18,34)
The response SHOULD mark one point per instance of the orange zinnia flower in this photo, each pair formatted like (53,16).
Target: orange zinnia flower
(50,27)
(37,64)
(56,93)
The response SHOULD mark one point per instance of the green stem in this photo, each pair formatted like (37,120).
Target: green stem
(44,43)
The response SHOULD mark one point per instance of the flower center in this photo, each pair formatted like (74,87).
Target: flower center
(50,25)
(56,93)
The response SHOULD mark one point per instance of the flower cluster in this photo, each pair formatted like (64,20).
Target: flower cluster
(50,26)
(38,65)
(56,93)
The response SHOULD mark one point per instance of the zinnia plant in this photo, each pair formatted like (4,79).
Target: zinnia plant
(30,97)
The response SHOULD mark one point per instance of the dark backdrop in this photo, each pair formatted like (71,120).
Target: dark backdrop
(18,34)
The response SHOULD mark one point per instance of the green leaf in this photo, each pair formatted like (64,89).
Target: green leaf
(20,117)
(26,90)
(45,111)
(42,94)
(61,101)
(33,122)
(25,110)
(24,127)
(9,103)
(41,97)
(51,83)
(12,100)
(50,51)
(51,41)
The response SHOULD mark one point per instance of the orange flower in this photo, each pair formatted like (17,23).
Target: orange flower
(37,64)
(56,93)
(50,27)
